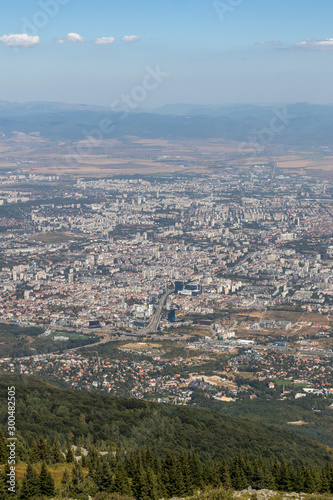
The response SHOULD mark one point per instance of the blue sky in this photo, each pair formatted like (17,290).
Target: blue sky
(215,52)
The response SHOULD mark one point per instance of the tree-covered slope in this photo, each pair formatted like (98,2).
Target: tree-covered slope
(45,410)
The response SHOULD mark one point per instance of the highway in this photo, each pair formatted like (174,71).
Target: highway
(153,325)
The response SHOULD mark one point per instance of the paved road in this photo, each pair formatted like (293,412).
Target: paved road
(154,323)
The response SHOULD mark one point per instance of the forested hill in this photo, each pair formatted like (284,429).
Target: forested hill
(308,124)
(43,410)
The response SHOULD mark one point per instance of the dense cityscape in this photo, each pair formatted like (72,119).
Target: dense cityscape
(198,279)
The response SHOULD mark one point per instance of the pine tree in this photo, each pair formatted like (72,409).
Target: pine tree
(22,449)
(30,483)
(78,481)
(276,470)
(287,477)
(56,455)
(300,478)
(238,479)
(46,482)
(183,458)
(69,455)
(95,469)
(105,477)
(65,481)
(246,465)
(215,479)
(148,459)
(256,477)
(158,471)
(77,474)
(153,487)
(178,479)
(324,483)
(172,476)
(93,458)
(261,477)
(196,471)
(120,483)
(131,464)
(84,461)
(225,475)
(309,481)
(41,451)
(140,484)
(207,473)
(268,478)
(96,474)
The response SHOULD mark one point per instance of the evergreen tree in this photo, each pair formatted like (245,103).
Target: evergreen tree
(287,477)
(324,483)
(96,474)
(131,464)
(96,470)
(153,486)
(46,482)
(84,461)
(261,477)
(78,481)
(69,455)
(267,481)
(22,450)
(77,474)
(105,477)
(207,473)
(309,481)
(30,484)
(178,479)
(225,475)
(246,465)
(56,455)
(186,472)
(300,478)
(238,479)
(256,476)
(120,482)
(65,481)
(93,458)
(196,471)
(148,458)
(215,477)
(276,470)
(140,484)
(172,476)
(40,452)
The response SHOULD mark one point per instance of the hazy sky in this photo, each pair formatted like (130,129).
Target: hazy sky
(223,51)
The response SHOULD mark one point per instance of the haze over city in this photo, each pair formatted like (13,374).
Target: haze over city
(215,52)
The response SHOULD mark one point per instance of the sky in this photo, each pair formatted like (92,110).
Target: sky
(155,52)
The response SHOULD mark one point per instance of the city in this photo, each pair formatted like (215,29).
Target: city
(195,278)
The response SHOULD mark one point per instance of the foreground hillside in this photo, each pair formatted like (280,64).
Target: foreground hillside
(143,476)
(45,410)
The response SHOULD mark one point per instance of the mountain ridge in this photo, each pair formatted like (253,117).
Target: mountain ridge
(46,410)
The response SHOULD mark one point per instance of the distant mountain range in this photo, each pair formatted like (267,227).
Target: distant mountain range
(298,124)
